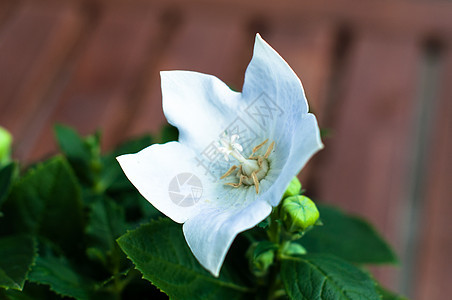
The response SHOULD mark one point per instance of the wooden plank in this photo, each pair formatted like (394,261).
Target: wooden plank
(402,16)
(433,277)
(364,165)
(33,43)
(7,10)
(307,46)
(96,95)
(208,41)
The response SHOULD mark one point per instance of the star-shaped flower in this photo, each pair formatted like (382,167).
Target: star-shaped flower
(265,133)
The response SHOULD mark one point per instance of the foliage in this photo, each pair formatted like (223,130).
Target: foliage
(73,226)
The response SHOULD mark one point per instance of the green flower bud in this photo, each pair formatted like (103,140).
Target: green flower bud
(5,145)
(261,256)
(293,189)
(298,213)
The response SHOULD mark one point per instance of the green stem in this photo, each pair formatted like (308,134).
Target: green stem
(276,289)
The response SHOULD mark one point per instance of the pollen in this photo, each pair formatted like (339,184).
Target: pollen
(251,170)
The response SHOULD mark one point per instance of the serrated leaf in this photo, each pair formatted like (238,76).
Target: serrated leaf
(46,201)
(72,144)
(160,252)
(105,224)
(311,277)
(60,276)
(17,254)
(348,237)
(6,178)
(14,295)
(76,150)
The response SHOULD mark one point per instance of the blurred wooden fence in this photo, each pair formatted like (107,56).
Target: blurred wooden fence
(377,74)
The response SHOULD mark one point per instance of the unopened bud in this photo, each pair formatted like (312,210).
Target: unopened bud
(261,257)
(5,145)
(298,213)
(293,189)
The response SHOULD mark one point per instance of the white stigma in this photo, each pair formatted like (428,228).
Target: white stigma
(229,147)
(250,170)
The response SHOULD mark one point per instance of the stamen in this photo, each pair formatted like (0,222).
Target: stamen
(256,182)
(250,170)
(258,147)
(236,185)
(269,150)
(229,172)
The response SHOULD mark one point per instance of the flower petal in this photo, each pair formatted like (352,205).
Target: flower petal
(154,168)
(293,155)
(269,73)
(210,233)
(201,106)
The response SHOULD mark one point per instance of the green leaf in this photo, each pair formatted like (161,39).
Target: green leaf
(6,178)
(105,224)
(133,145)
(160,252)
(17,254)
(168,133)
(60,276)
(14,295)
(388,295)
(46,201)
(82,153)
(348,237)
(113,178)
(325,277)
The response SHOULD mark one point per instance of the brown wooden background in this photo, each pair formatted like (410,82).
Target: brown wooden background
(378,74)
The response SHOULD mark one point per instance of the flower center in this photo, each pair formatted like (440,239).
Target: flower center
(251,170)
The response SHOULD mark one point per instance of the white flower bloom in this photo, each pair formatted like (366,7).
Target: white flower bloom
(265,131)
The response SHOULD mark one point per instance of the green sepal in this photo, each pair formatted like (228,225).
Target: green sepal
(292,249)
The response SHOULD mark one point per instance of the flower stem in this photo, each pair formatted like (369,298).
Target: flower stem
(276,289)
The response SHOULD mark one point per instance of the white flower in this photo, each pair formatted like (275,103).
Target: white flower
(192,183)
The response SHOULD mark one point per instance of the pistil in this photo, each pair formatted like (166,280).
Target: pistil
(251,170)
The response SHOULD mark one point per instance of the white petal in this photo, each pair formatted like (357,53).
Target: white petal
(199,105)
(153,169)
(210,234)
(278,107)
(270,74)
(291,156)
